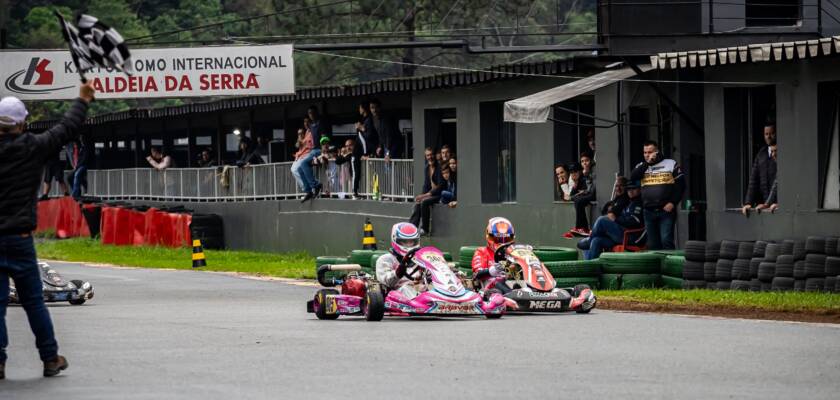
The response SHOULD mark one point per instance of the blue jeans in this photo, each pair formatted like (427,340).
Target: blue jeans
(605,234)
(446,197)
(660,229)
(302,171)
(79,180)
(18,261)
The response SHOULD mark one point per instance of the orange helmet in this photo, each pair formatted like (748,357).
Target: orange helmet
(499,232)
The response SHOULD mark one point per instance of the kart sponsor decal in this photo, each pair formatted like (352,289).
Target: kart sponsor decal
(452,308)
(433,258)
(545,304)
(534,294)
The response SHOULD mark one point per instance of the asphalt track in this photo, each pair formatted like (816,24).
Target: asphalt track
(152,334)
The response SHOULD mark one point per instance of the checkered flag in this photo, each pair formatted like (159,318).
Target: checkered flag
(95,44)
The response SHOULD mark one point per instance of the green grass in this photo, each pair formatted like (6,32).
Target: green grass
(828,303)
(285,265)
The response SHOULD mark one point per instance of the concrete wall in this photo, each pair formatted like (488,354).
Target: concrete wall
(798,170)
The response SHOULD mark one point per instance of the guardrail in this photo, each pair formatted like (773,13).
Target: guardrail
(394,181)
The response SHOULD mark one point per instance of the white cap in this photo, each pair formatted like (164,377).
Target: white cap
(12,111)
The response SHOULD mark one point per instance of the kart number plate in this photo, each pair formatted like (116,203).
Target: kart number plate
(451,308)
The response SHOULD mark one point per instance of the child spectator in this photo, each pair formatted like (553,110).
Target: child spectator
(348,155)
(585,195)
(448,195)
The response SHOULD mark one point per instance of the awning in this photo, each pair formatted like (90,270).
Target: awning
(763,52)
(535,108)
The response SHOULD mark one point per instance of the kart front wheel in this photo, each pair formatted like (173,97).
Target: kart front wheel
(584,308)
(79,285)
(373,305)
(320,304)
(493,316)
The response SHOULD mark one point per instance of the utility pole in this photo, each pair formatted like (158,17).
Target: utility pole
(4,17)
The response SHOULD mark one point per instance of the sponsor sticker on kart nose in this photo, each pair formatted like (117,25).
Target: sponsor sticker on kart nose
(451,308)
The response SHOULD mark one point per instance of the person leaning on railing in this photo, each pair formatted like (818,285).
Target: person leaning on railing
(23,156)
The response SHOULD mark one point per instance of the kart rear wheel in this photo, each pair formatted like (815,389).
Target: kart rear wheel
(320,306)
(373,305)
(578,289)
(79,285)
(493,316)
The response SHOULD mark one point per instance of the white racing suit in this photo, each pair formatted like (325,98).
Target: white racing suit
(386,274)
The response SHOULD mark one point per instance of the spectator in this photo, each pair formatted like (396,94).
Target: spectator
(626,212)
(590,142)
(763,172)
(249,153)
(384,128)
(563,188)
(663,183)
(445,154)
(205,158)
(771,203)
(77,153)
(317,125)
(302,167)
(323,162)
(439,158)
(619,198)
(453,165)
(448,194)
(584,196)
(159,160)
(366,138)
(432,186)
(348,154)
(55,171)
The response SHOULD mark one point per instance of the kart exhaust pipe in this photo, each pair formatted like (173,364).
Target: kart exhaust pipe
(331,282)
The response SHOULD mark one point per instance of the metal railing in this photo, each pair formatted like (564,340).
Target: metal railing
(392,180)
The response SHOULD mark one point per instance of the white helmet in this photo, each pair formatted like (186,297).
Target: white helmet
(404,238)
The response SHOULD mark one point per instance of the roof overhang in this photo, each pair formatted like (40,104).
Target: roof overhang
(536,108)
(763,52)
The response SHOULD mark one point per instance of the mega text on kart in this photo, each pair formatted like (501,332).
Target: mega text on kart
(441,292)
(56,288)
(528,285)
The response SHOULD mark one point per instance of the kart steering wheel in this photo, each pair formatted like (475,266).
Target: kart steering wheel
(407,259)
(500,253)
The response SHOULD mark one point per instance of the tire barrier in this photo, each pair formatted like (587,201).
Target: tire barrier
(63,216)
(209,228)
(140,226)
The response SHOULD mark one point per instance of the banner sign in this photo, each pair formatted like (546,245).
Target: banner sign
(170,72)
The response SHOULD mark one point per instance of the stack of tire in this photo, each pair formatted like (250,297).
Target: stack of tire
(465,255)
(672,271)
(209,228)
(630,270)
(783,280)
(570,273)
(710,266)
(693,268)
(832,265)
(767,268)
(759,249)
(723,266)
(741,266)
(798,265)
(815,263)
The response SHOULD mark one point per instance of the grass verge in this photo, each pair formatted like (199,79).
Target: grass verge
(285,265)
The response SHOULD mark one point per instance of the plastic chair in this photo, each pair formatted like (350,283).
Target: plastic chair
(625,247)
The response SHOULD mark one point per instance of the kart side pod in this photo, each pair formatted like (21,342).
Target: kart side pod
(322,271)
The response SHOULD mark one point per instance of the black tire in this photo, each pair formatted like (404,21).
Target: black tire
(814,284)
(723,270)
(79,284)
(745,250)
(815,265)
(799,285)
(766,286)
(815,245)
(577,290)
(741,269)
(755,285)
(830,284)
(723,285)
(786,247)
(754,263)
(771,252)
(673,266)
(493,316)
(373,305)
(320,311)
(729,249)
(782,284)
(709,268)
(712,251)
(799,250)
(766,271)
(693,284)
(695,250)
(832,266)
(740,285)
(784,266)
(693,270)
(837,285)
(758,249)
(799,269)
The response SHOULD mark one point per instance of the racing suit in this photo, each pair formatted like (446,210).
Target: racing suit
(481,262)
(386,274)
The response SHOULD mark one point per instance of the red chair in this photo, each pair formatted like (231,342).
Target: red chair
(625,247)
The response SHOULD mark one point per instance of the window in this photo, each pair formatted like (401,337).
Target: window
(572,127)
(746,112)
(828,125)
(441,128)
(498,154)
(772,12)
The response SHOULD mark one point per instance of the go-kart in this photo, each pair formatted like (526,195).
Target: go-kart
(56,288)
(528,286)
(441,292)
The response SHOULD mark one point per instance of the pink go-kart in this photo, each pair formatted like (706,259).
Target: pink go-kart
(441,292)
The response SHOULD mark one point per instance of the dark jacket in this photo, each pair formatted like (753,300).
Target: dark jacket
(631,216)
(616,205)
(366,141)
(762,176)
(585,189)
(386,134)
(436,179)
(663,182)
(22,160)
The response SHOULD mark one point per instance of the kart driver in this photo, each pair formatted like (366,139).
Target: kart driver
(499,232)
(391,267)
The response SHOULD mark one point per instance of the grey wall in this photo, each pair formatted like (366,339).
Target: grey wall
(796,117)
